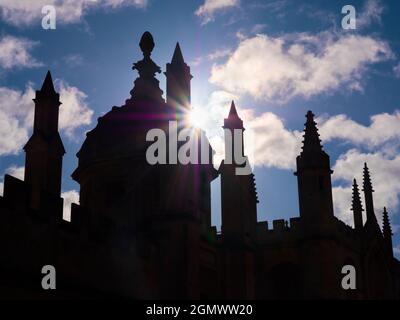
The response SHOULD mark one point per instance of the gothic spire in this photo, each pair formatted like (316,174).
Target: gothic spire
(177,57)
(387,231)
(368,190)
(233,120)
(232,111)
(178,83)
(311,142)
(357,207)
(44,149)
(314,178)
(367,179)
(48,85)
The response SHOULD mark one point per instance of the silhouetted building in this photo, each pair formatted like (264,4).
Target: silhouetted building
(144,231)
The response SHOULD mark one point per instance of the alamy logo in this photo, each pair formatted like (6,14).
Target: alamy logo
(349,20)
(349,280)
(188,153)
(49,280)
(49,20)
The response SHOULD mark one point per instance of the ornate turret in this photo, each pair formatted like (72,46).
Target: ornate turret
(231,124)
(238,192)
(233,121)
(146,86)
(238,205)
(178,82)
(118,142)
(357,207)
(387,231)
(311,142)
(314,177)
(44,150)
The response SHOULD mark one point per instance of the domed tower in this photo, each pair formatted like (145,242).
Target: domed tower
(165,204)
(116,183)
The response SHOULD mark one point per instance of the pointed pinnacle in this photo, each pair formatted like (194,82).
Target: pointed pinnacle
(356,200)
(233,120)
(48,85)
(310,116)
(311,136)
(367,184)
(387,229)
(177,57)
(232,111)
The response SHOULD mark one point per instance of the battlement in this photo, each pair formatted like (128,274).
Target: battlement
(16,200)
(279,225)
(281,228)
(46,225)
(16,192)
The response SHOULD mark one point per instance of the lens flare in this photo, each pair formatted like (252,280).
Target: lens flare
(197,118)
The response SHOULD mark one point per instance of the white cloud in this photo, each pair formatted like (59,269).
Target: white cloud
(117,3)
(70,197)
(267,141)
(274,145)
(396,251)
(396,70)
(371,12)
(27,12)
(208,9)
(16,117)
(385,174)
(215,55)
(281,68)
(258,28)
(210,117)
(342,202)
(384,128)
(17,108)
(74,111)
(196,62)
(219,53)
(15,171)
(15,53)
(74,60)
(382,139)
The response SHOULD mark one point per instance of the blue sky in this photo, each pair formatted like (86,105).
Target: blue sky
(276,58)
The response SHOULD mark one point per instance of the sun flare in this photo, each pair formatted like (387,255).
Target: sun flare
(197,118)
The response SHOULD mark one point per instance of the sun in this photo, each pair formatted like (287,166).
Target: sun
(197,118)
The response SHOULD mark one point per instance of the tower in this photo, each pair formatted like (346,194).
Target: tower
(178,82)
(231,124)
(357,207)
(44,150)
(368,190)
(387,232)
(238,195)
(238,212)
(314,177)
